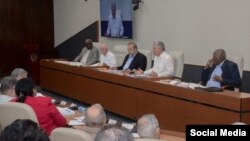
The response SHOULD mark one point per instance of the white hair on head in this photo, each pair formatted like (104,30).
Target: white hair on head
(147,126)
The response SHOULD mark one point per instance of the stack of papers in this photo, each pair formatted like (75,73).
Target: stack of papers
(65,111)
(128,126)
(112,121)
(78,121)
(78,64)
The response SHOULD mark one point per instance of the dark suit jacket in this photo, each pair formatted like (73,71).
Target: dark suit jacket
(230,74)
(139,61)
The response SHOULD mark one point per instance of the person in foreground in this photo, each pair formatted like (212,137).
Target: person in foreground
(134,59)
(89,54)
(95,120)
(47,114)
(7,89)
(220,72)
(114,133)
(19,73)
(23,130)
(148,127)
(163,62)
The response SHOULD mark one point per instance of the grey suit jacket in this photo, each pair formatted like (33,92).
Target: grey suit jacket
(92,58)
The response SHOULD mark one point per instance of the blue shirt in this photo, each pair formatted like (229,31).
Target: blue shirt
(217,71)
(127,64)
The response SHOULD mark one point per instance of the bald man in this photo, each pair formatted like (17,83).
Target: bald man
(148,127)
(89,54)
(95,119)
(107,58)
(220,72)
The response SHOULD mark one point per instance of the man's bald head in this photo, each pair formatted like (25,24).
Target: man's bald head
(104,49)
(95,116)
(219,55)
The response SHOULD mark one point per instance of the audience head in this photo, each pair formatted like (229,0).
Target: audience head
(158,48)
(104,49)
(114,133)
(148,127)
(113,9)
(19,73)
(25,87)
(132,48)
(23,130)
(219,56)
(7,86)
(95,116)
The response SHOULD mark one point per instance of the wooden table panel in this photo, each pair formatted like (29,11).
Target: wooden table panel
(174,113)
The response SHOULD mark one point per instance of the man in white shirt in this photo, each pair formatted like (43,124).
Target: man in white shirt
(163,62)
(107,58)
(115,26)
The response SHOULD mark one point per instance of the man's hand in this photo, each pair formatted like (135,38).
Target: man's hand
(126,72)
(209,63)
(153,74)
(138,72)
(217,78)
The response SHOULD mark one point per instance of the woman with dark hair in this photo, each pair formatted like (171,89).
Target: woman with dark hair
(23,130)
(47,114)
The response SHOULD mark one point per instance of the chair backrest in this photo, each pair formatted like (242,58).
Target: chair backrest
(121,51)
(144,139)
(178,57)
(239,60)
(11,111)
(69,134)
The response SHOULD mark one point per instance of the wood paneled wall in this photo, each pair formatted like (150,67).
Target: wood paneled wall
(24,21)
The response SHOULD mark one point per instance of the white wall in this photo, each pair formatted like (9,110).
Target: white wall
(196,27)
(71,16)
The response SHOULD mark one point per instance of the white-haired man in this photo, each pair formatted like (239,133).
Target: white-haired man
(95,119)
(163,62)
(148,127)
(19,73)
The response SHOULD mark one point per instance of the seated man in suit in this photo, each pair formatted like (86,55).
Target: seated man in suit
(220,72)
(95,119)
(7,89)
(89,54)
(134,60)
(148,127)
(163,62)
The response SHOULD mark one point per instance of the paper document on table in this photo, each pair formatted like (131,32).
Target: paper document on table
(71,63)
(136,135)
(112,121)
(193,85)
(75,123)
(129,126)
(79,118)
(65,111)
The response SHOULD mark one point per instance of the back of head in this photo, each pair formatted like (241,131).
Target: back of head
(95,116)
(148,127)
(19,73)
(7,83)
(24,87)
(114,133)
(23,130)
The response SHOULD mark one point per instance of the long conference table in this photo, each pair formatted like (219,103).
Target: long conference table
(132,97)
